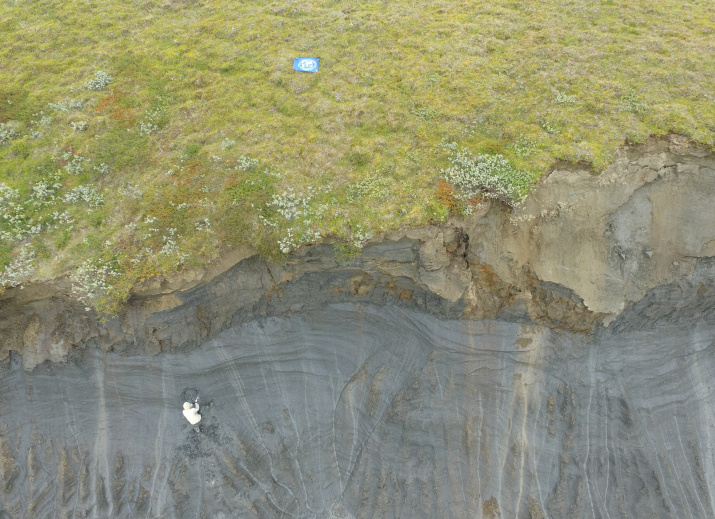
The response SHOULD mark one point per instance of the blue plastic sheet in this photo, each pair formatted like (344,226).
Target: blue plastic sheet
(306,64)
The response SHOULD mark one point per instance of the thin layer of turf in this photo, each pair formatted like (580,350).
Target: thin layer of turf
(207,139)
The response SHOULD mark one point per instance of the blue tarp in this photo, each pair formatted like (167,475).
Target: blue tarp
(306,64)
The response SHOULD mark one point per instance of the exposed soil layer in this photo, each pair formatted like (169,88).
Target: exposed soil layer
(551,362)
(630,247)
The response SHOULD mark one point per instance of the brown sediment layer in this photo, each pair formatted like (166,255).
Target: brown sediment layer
(584,251)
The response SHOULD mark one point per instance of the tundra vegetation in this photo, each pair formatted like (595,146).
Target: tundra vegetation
(138,138)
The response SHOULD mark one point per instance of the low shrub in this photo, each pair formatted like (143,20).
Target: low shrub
(7,133)
(100,81)
(491,176)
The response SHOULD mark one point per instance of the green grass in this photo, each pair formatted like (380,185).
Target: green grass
(362,140)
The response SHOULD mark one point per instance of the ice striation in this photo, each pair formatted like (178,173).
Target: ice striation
(365,411)
(552,362)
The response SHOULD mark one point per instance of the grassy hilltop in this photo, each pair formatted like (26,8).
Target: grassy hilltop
(137,138)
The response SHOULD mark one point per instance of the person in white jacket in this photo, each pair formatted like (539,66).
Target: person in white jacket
(191,412)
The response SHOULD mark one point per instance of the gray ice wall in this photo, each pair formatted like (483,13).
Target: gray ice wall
(365,411)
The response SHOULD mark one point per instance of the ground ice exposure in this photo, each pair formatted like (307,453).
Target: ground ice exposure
(365,411)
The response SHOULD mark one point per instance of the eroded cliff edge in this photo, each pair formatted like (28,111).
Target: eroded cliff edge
(628,248)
